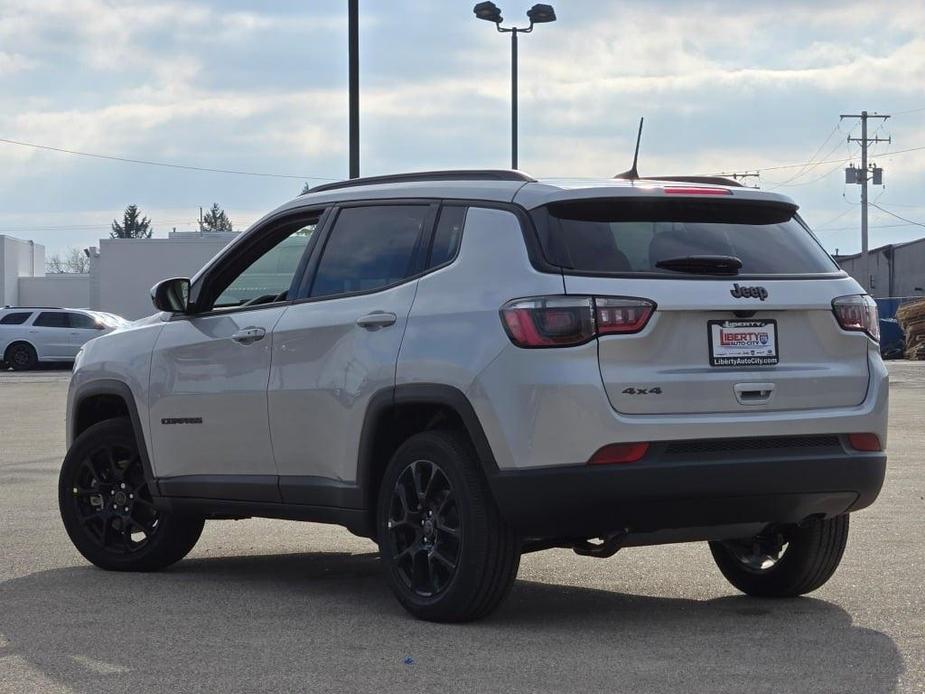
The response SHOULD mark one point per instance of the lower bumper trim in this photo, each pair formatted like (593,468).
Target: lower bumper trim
(655,496)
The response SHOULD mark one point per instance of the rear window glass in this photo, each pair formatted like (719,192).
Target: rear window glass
(631,236)
(14,318)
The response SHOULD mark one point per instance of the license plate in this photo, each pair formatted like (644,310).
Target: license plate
(743,342)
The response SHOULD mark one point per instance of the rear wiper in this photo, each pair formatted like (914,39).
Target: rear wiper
(702,264)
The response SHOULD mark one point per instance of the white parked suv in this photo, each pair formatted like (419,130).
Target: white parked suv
(465,366)
(29,335)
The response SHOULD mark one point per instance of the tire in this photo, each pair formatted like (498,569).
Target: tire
(21,356)
(810,558)
(101,477)
(462,527)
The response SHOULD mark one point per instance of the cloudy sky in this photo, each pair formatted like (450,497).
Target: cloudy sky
(261,87)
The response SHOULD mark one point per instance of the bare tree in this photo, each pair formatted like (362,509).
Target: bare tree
(215,220)
(133,226)
(74,260)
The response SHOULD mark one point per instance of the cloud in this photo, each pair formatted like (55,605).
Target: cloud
(722,85)
(14,62)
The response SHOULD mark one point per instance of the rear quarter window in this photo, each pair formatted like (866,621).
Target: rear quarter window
(17,318)
(631,236)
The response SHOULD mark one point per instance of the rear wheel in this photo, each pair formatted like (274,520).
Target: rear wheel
(784,564)
(107,507)
(448,554)
(21,356)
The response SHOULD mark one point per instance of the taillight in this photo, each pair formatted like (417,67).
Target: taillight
(857,312)
(614,315)
(616,453)
(865,442)
(565,321)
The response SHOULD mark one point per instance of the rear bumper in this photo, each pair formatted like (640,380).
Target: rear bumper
(654,495)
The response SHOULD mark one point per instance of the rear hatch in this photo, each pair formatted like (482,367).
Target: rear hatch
(743,294)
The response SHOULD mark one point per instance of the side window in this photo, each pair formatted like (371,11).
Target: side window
(52,320)
(447,236)
(369,248)
(15,318)
(266,279)
(79,321)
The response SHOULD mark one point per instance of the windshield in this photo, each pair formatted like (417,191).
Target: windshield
(633,236)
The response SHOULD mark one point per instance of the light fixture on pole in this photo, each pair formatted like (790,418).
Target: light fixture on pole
(538,14)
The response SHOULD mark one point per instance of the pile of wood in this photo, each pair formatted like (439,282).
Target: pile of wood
(911,317)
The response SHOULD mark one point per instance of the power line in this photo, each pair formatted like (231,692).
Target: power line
(804,163)
(806,168)
(854,228)
(822,227)
(186,167)
(893,214)
(812,180)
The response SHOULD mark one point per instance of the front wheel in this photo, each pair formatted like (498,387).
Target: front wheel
(785,563)
(448,554)
(107,507)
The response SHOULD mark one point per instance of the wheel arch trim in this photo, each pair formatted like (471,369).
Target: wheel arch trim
(440,395)
(121,390)
(23,341)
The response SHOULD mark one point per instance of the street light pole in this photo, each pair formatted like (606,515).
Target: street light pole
(353,69)
(514,99)
(538,14)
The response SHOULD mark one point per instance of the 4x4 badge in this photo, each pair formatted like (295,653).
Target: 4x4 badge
(748,292)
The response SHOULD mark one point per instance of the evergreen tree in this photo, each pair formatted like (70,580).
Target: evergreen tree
(133,226)
(215,220)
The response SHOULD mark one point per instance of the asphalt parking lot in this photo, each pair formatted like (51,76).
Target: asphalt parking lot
(265,605)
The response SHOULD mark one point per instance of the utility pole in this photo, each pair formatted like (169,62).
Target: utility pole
(862,178)
(745,175)
(353,68)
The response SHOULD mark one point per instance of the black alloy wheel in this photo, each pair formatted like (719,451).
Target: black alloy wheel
(448,554)
(108,509)
(424,528)
(112,501)
(785,562)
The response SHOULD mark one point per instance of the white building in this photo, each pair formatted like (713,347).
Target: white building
(18,259)
(122,272)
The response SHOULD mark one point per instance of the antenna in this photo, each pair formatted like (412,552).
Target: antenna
(633,174)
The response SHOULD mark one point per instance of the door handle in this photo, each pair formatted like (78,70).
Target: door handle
(377,319)
(248,336)
(754,393)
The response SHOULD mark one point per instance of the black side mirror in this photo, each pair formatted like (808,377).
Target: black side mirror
(171,295)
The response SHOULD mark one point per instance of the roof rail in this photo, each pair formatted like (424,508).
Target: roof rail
(420,176)
(713,180)
(33,308)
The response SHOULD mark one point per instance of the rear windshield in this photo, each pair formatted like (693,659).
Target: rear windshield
(631,236)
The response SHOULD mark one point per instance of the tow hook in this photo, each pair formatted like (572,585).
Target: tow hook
(607,547)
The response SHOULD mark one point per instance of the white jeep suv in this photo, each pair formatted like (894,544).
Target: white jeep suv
(469,365)
(29,335)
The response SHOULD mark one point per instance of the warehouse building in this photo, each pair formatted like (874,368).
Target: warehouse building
(122,272)
(896,270)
